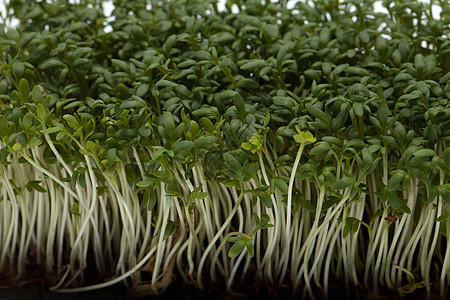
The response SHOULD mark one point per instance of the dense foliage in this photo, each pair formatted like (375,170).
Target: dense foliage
(298,147)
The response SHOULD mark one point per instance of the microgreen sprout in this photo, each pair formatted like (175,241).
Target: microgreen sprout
(291,148)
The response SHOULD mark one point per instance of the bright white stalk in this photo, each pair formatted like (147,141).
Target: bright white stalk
(111,282)
(326,272)
(359,207)
(83,232)
(344,253)
(190,242)
(180,239)
(130,202)
(224,241)
(305,226)
(17,173)
(93,211)
(313,242)
(216,237)
(125,214)
(10,224)
(236,262)
(275,231)
(15,205)
(299,221)
(52,176)
(24,207)
(378,270)
(445,265)
(398,240)
(65,210)
(284,260)
(433,246)
(54,211)
(322,249)
(193,232)
(162,222)
(331,213)
(235,268)
(412,244)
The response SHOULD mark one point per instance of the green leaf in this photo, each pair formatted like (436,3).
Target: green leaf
(51,130)
(149,199)
(50,63)
(74,209)
(316,112)
(444,192)
(250,248)
(17,147)
(265,198)
(351,223)
(424,153)
(142,90)
(281,185)
(72,122)
(196,195)
(395,180)
(4,127)
(305,138)
(165,83)
(34,185)
(342,183)
(111,156)
(126,133)
(447,157)
(392,197)
(383,113)
(145,183)
(232,163)
(237,248)
(41,112)
(24,88)
(179,146)
(271,30)
(358,109)
(254,63)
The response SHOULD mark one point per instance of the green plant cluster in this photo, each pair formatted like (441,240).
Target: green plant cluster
(185,142)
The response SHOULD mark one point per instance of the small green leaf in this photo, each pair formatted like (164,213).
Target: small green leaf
(51,130)
(250,248)
(41,112)
(34,185)
(142,90)
(72,122)
(149,199)
(75,209)
(392,197)
(165,83)
(265,199)
(145,183)
(50,63)
(111,156)
(195,195)
(237,248)
(447,157)
(304,137)
(24,88)
(232,163)
(351,223)
(343,183)
(17,147)
(395,180)
(254,63)
(424,153)
(444,192)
